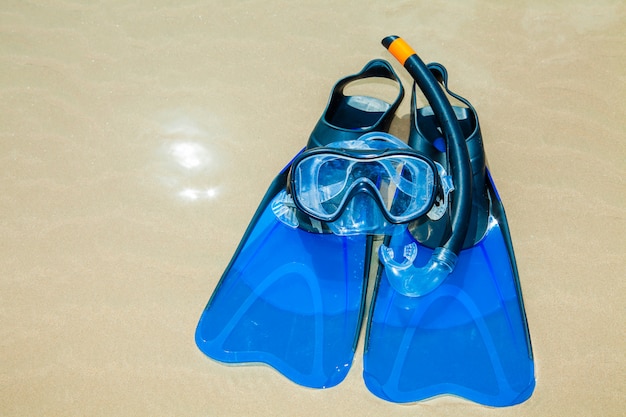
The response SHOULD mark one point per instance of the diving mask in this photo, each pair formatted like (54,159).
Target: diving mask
(362,186)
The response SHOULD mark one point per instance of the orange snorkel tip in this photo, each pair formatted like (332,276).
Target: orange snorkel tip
(398,48)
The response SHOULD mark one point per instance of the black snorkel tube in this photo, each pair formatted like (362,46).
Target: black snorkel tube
(404,277)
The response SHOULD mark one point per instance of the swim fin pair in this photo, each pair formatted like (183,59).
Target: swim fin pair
(447,315)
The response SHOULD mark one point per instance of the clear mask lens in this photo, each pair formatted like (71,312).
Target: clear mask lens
(365,185)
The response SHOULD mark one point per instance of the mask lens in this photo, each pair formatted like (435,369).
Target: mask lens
(401,184)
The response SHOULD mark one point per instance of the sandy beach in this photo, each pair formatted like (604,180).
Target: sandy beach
(137,139)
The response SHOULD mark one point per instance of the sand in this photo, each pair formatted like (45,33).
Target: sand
(137,138)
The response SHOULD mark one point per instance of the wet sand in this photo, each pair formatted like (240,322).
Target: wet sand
(136,141)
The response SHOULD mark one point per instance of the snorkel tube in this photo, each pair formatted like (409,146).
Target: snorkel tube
(406,278)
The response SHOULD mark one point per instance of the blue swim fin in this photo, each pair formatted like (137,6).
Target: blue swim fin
(292,298)
(469,336)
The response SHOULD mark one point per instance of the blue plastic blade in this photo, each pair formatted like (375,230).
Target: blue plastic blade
(290,299)
(468,338)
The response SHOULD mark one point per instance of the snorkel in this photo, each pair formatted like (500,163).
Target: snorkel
(404,277)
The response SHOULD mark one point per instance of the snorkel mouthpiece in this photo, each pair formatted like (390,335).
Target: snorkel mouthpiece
(412,281)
